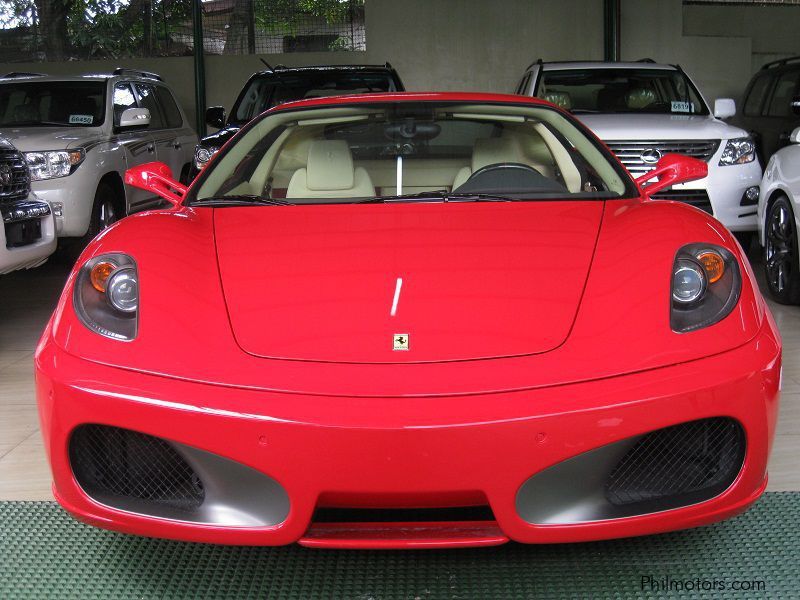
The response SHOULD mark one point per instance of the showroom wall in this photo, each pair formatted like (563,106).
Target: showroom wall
(485,45)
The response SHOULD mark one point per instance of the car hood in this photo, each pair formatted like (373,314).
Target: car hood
(658,127)
(32,139)
(343,283)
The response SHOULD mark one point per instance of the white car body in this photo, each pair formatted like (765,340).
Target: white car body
(20,208)
(109,152)
(630,135)
(781,177)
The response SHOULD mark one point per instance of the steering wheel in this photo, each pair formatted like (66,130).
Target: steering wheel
(509,167)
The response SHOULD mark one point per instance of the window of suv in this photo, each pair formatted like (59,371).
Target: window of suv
(621,90)
(172,113)
(147,99)
(782,94)
(52,103)
(123,99)
(755,99)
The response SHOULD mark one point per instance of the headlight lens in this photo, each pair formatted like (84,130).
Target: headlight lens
(106,296)
(738,151)
(203,154)
(53,163)
(706,283)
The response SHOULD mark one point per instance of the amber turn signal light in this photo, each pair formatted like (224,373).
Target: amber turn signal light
(714,265)
(100,274)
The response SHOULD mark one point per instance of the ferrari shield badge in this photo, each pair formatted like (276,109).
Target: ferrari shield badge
(400,341)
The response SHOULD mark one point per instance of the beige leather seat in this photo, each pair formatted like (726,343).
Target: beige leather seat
(329,173)
(560,99)
(640,98)
(490,151)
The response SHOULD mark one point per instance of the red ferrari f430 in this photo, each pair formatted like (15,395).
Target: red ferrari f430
(410,320)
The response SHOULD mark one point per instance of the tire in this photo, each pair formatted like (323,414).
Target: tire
(105,211)
(781,264)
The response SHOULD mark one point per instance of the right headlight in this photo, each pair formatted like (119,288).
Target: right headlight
(706,283)
(203,154)
(738,151)
(106,296)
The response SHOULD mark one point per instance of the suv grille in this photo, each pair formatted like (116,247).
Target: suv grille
(113,464)
(15,181)
(692,461)
(697,198)
(630,152)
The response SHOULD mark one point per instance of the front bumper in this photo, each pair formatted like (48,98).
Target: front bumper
(369,452)
(30,254)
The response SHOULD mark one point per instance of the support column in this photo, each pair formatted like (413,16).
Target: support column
(199,68)
(611,33)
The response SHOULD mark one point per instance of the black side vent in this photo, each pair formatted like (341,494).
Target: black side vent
(685,463)
(113,464)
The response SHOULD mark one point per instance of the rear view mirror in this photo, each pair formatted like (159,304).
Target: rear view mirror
(215,116)
(724,108)
(795,105)
(794,138)
(156,177)
(134,117)
(672,169)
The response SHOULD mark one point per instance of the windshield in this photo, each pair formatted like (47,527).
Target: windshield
(267,91)
(621,91)
(412,151)
(58,103)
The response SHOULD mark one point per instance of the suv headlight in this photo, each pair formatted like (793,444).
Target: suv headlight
(53,163)
(706,283)
(738,151)
(203,154)
(106,296)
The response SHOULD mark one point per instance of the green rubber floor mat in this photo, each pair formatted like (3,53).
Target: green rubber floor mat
(46,554)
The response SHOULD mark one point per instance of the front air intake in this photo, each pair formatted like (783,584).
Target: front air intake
(681,464)
(115,465)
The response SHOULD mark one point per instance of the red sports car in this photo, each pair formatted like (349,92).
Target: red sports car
(410,320)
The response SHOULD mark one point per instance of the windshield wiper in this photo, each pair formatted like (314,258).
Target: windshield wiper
(442,195)
(478,197)
(241,200)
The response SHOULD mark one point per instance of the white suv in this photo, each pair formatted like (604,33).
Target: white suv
(642,111)
(27,235)
(80,134)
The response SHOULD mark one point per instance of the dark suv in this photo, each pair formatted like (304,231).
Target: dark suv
(772,105)
(280,84)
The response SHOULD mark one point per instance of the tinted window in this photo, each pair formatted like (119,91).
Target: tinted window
(63,103)
(754,101)
(622,91)
(147,99)
(123,98)
(782,95)
(172,114)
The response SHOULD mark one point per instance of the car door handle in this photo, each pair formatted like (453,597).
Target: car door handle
(177,145)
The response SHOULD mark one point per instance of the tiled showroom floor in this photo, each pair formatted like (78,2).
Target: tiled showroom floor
(27,299)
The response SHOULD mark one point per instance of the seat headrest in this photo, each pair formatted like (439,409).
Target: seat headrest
(489,151)
(640,98)
(330,165)
(560,99)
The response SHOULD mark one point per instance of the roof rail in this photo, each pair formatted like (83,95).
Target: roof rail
(538,61)
(646,60)
(14,74)
(781,62)
(137,73)
(280,68)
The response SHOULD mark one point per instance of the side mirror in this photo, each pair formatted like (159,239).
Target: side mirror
(795,105)
(724,108)
(134,117)
(215,116)
(156,177)
(672,169)
(794,138)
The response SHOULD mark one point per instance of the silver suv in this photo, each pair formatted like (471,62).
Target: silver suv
(80,134)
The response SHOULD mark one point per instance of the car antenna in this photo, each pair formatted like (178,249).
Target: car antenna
(266,64)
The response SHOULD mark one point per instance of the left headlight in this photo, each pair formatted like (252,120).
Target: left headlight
(106,296)
(53,163)
(738,151)
(706,283)
(203,154)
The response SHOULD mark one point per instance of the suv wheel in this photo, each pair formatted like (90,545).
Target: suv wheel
(780,253)
(104,211)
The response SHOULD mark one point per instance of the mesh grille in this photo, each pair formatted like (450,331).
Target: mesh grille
(700,457)
(630,152)
(14,178)
(112,463)
(697,198)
